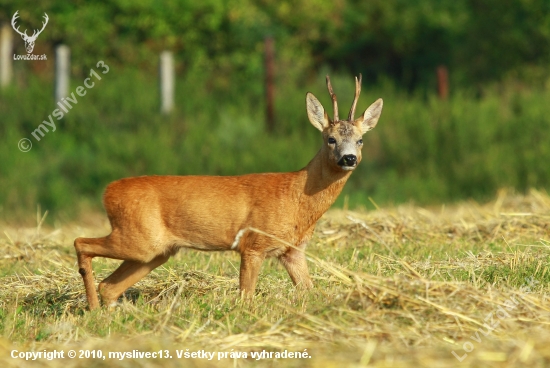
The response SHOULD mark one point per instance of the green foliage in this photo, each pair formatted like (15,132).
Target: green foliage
(478,40)
(423,149)
(490,133)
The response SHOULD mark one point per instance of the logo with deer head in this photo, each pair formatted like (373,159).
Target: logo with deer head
(29,40)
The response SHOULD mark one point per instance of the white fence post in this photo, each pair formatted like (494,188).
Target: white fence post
(167,82)
(6,49)
(62,69)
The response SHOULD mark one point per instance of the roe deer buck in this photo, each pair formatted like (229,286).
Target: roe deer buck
(153,216)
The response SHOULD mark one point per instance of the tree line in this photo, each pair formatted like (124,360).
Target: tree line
(479,41)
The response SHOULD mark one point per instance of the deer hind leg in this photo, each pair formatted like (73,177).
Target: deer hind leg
(251,263)
(86,249)
(295,263)
(126,275)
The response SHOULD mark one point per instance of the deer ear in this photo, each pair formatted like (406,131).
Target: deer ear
(370,117)
(316,113)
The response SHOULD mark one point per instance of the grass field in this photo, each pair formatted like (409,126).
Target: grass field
(394,287)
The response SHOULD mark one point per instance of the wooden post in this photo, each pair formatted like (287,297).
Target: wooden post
(6,49)
(269,83)
(442,82)
(167,82)
(62,70)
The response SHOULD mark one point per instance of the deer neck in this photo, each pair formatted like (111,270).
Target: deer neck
(322,185)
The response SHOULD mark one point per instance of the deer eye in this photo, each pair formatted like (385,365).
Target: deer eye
(331,140)
(360,142)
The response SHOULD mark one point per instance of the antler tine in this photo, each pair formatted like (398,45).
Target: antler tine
(43,25)
(15,16)
(46,18)
(351,115)
(334,102)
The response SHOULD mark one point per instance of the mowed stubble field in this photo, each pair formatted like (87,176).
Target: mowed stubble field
(394,287)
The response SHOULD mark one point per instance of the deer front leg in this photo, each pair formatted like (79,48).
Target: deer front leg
(251,261)
(295,263)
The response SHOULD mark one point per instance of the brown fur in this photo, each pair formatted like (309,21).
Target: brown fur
(154,216)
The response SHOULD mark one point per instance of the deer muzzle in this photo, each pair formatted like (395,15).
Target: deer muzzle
(348,162)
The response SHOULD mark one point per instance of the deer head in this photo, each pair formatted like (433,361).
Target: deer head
(342,138)
(29,40)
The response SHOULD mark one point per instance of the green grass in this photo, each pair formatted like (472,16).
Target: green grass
(393,287)
(423,149)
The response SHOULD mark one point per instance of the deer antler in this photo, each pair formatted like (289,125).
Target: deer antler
(24,34)
(334,102)
(43,26)
(357,92)
(15,16)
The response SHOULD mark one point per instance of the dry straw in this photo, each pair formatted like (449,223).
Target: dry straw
(394,287)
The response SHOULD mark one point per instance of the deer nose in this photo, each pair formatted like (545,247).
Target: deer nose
(348,160)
